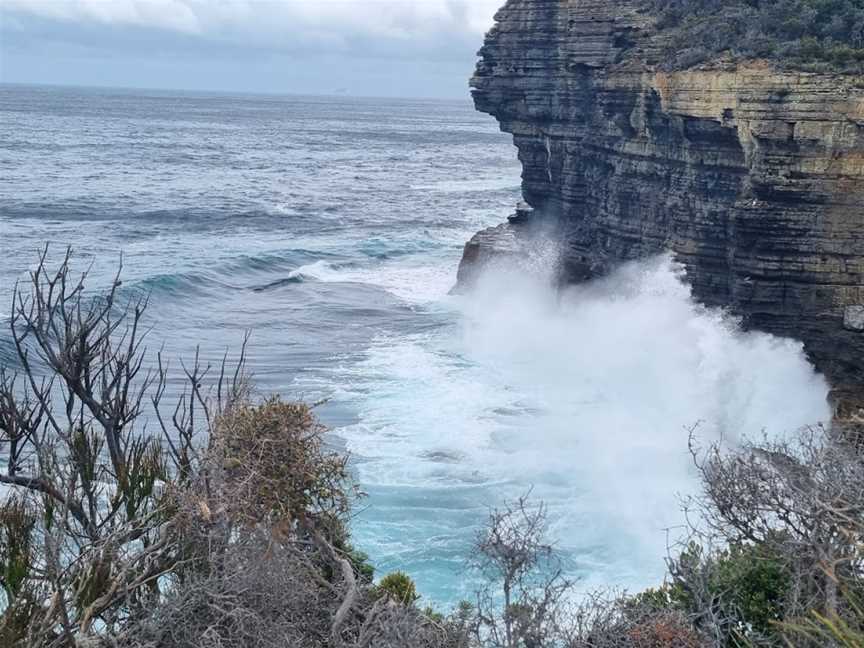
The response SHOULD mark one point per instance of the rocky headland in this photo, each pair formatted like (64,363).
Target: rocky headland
(750,173)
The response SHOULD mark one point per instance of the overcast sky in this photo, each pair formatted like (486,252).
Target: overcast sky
(412,48)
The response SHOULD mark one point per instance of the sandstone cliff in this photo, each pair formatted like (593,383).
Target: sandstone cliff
(752,177)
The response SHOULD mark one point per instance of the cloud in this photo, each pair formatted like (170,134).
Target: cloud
(327,23)
(379,47)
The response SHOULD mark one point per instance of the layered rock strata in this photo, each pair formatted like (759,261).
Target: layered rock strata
(752,177)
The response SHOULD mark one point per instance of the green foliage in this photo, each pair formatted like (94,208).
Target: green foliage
(16,619)
(667,596)
(146,468)
(831,629)
(807,34)
(433,615)
(399,586)
(340,536)
(273,452)
(756,582)
(17,522)
(747,580)
(360,561)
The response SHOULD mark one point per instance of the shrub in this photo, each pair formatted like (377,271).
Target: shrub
(275,465)
(753,583)
(20,594)
(17,524)
(399,587)
(739,591)
(799,33)
(830,630)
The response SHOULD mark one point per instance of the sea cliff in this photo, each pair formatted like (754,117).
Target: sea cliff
(751,175)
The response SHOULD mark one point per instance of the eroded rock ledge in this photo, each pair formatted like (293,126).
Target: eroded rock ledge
(752,177)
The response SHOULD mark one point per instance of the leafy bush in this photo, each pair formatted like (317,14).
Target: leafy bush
(399,587)
(19,593)
(753,583)
(740,589)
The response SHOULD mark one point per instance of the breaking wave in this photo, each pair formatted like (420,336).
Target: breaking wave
(586,396)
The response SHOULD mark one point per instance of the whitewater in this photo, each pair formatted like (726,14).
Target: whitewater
(332,230)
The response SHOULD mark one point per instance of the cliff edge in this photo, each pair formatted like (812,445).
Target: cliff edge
(752,175)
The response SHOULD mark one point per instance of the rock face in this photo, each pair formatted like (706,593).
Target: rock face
(753,178)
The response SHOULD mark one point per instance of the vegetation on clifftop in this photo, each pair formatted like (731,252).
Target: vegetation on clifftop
(805,34)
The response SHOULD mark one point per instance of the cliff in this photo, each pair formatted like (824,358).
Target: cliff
(753,177)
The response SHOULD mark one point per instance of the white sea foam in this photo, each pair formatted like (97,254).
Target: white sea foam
(320,270)
(410,281)
(587,396)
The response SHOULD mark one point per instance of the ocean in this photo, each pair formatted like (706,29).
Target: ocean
(331,228)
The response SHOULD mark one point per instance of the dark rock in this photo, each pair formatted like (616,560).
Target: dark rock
(523,215)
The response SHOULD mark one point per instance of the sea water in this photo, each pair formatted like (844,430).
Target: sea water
(331,228)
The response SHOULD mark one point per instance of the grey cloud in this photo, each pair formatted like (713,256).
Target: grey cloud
(389,47)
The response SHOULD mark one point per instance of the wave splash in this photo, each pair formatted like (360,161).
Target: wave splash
(587,396)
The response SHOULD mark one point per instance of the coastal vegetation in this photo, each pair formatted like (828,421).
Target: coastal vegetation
(806,34)
(222,518)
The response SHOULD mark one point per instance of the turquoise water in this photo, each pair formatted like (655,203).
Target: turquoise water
(332,229)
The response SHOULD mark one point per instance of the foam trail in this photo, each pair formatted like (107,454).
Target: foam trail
(586,396)
(410,281)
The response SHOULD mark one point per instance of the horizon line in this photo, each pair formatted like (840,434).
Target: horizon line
(260,93)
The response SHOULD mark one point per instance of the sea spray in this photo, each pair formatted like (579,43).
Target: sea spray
(585,395)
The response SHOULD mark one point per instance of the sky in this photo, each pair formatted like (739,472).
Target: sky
(410,48)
